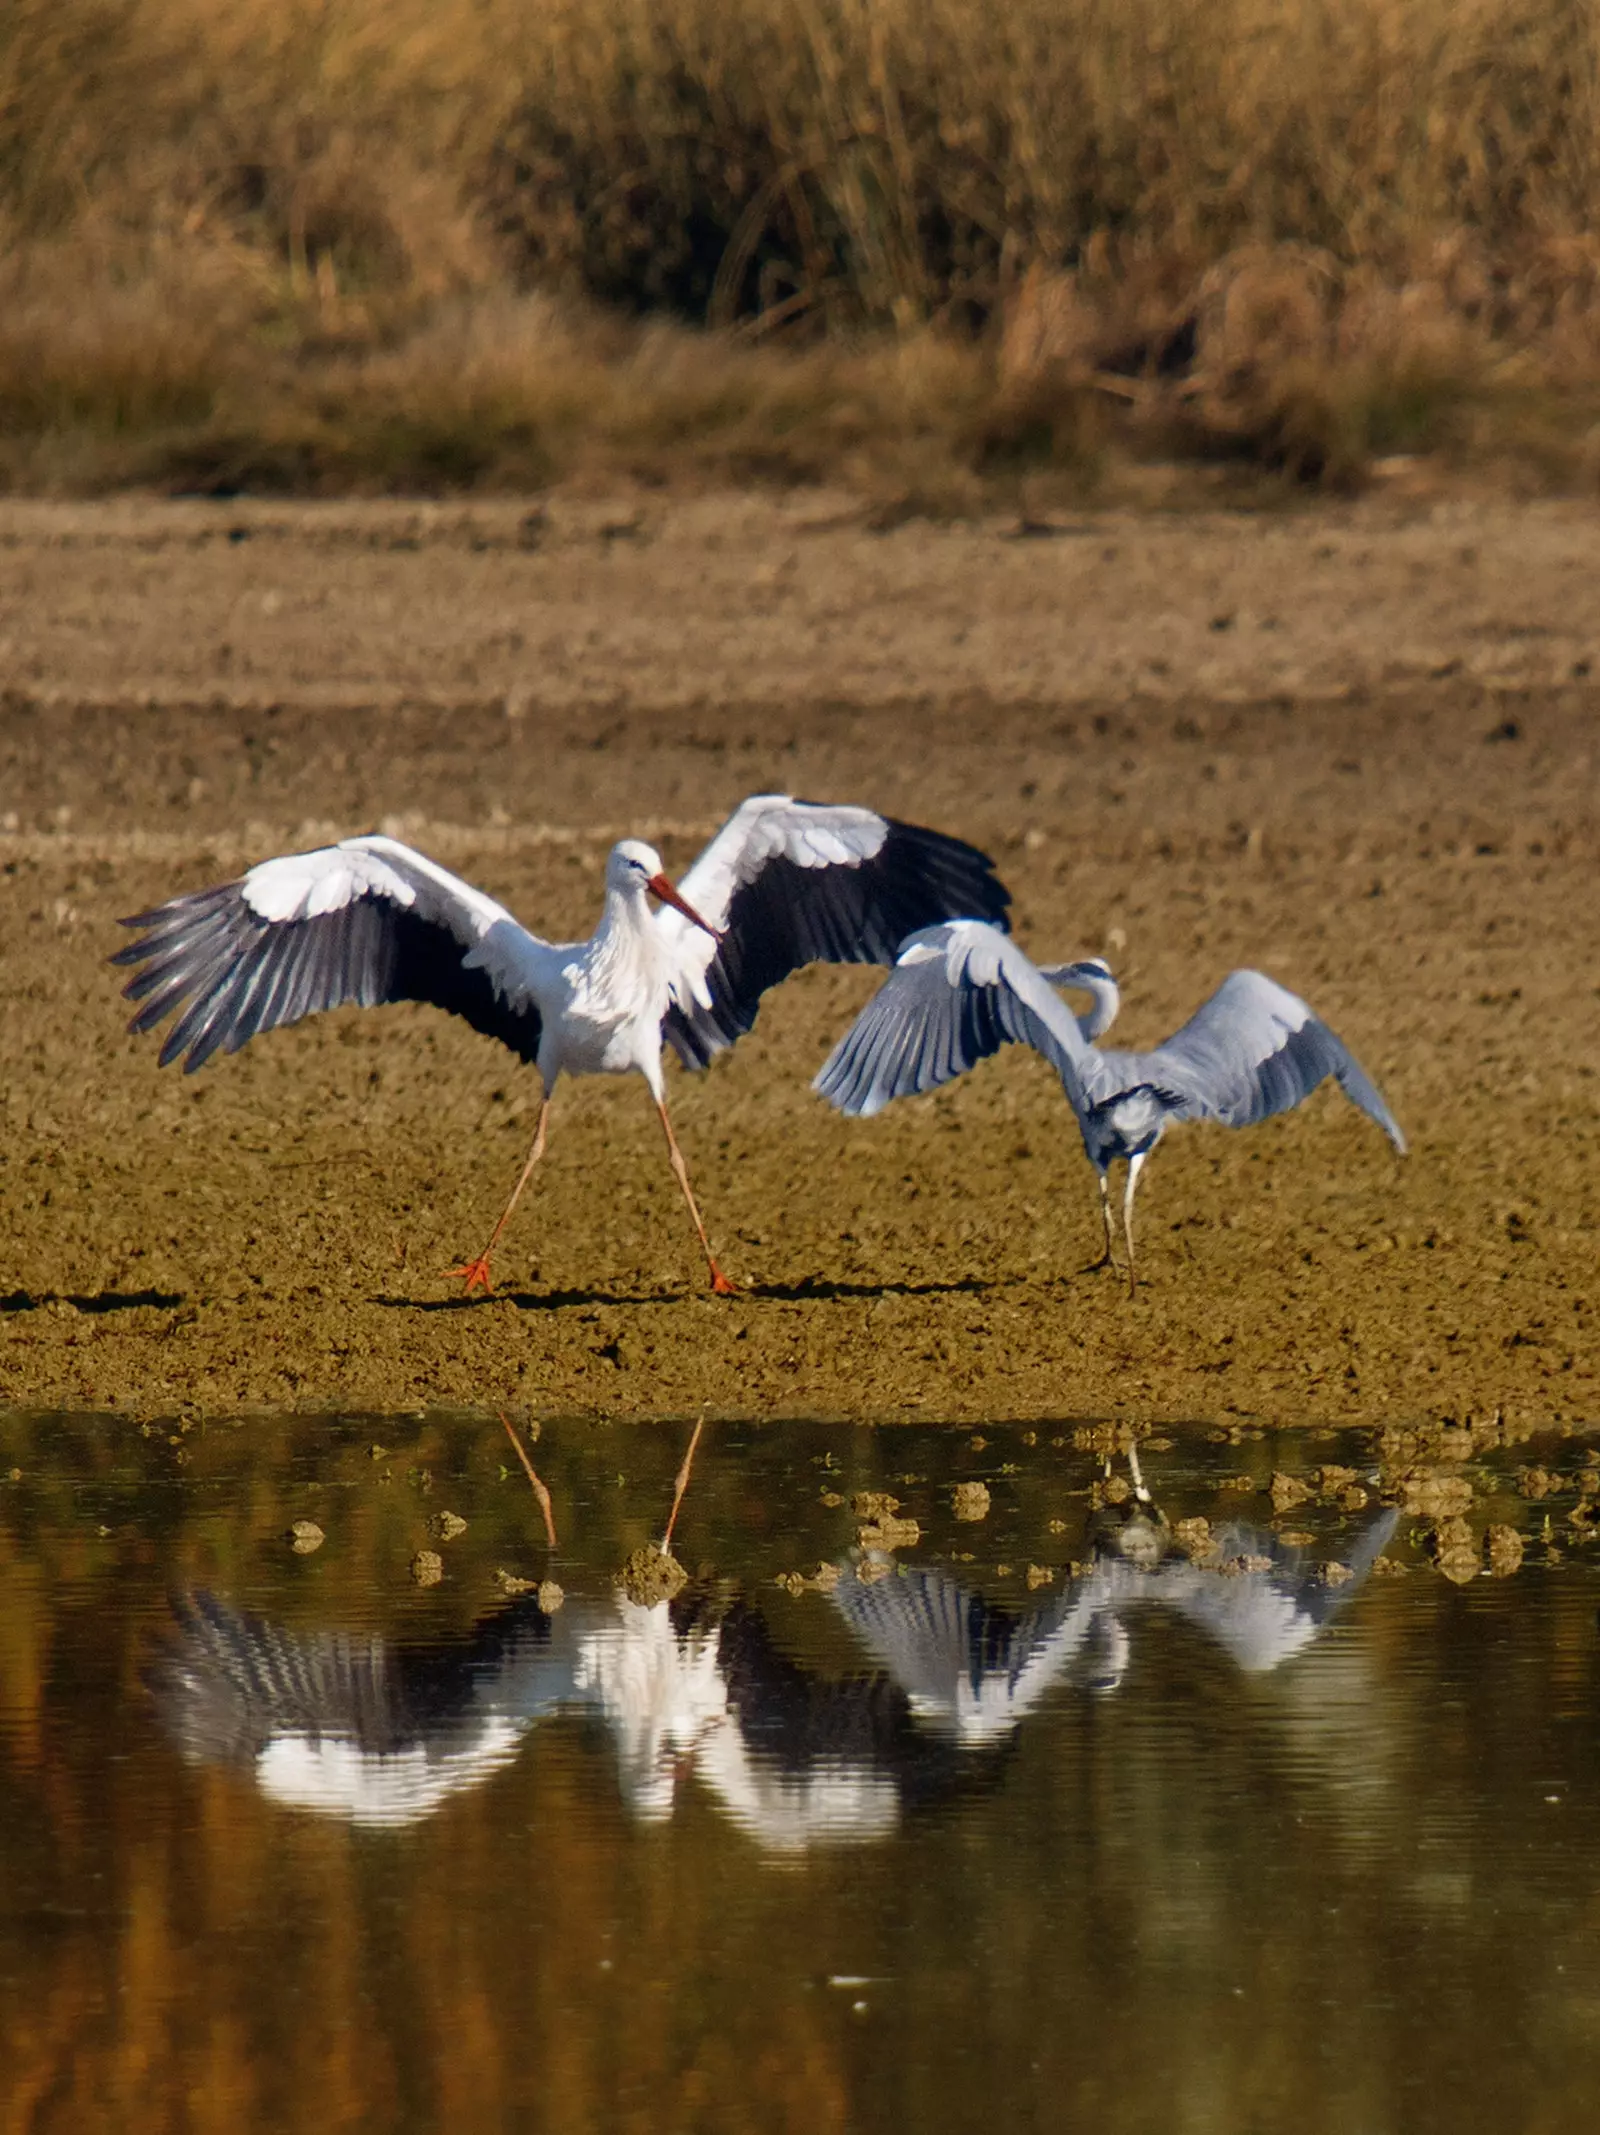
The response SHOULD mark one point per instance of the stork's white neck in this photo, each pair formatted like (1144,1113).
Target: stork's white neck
(625,956)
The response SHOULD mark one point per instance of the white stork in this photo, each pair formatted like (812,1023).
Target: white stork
(784,883)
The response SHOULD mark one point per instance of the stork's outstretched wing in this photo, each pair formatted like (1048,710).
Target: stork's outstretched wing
(956,994)
(364,921)
(787,883)
(1253,1049)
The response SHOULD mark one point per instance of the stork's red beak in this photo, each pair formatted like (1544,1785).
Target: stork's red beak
(659,886)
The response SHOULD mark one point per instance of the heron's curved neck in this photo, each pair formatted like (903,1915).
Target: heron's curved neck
(1107,1000)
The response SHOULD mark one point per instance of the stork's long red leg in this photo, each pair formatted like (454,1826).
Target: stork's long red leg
(680,1486)
(719,1282)
(476,1272)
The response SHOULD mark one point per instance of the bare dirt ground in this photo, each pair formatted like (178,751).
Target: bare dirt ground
(1355,747)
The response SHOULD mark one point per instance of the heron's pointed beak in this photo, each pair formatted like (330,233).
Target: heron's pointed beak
(659,886)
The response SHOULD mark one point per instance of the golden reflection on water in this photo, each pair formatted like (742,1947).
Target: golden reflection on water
(1188,1880)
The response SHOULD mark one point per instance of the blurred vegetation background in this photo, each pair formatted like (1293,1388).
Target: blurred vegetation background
(921,245)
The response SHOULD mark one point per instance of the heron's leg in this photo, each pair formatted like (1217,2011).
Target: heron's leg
(1139,1490)
(476,1271)
(1135,1166)
(719,1282)
(1109,1256)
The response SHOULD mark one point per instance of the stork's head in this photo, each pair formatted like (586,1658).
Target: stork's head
(635,867)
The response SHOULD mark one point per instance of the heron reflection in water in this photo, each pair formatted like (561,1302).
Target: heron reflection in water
(382,1734)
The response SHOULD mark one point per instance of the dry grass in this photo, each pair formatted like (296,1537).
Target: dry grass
(938,246)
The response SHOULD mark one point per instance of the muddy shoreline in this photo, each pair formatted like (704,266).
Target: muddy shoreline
(1355,748)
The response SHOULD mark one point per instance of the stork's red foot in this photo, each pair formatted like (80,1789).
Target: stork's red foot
(720,1285)
(475,1273)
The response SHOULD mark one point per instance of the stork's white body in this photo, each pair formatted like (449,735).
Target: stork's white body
(783,884)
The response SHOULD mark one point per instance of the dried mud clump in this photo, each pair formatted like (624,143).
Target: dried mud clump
(427,1567)
(1195,1539)
(651,1576)
(1502,1550)
(446,1526)
(970,1501)
(1454,1552)
(304,1536)
(888,1533)
(1429,1495)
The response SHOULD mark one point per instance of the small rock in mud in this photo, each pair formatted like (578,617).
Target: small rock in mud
(1244,1567)
(550,1596)
(1451,1548)
(1352,1498)
(873,1504)
(1039,1575)
(304,1536)
(427,1567)
(1331,1480)
(822,1581)
(1389,1568)
(889,1533)
(1537,1482)
(832,1499)
(1431,1496)
(1115,1490)
(1288,1491)
(509,1583)
(1194,1538)
(971,1501)
(445,1526)
(1335,1574)
(1502,1549)
(1296,1537)
(652,1575)
(871,1569)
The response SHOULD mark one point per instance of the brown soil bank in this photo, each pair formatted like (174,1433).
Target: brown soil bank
(1354,748)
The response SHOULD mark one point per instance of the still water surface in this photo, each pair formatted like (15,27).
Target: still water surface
(1067,1816)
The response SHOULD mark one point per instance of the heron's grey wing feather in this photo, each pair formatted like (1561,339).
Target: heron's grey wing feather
(956,1656)
(1252,1050)
(788,883)
(1261,1618)
(957,994)
(362,922)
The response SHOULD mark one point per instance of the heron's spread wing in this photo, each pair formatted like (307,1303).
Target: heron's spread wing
(1263,1617)
(1253,1049)
(957,993)
(365,921)
(963,1663)
(788,883)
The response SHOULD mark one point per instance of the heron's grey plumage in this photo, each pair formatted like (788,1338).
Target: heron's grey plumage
(960,991)
(957,993)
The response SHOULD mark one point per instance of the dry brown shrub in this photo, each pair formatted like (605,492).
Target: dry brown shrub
(1297,232)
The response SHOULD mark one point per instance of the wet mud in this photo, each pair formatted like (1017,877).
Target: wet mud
(1354,748)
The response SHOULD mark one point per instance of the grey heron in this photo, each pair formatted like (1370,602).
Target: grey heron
(960,991)
(784,883)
